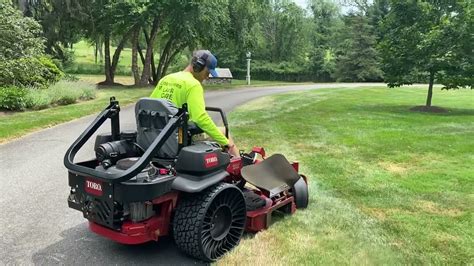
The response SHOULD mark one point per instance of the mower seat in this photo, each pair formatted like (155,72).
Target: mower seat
(274,174)
(152,115)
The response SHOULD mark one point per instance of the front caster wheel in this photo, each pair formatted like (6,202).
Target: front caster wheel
(300,192)
(208,224)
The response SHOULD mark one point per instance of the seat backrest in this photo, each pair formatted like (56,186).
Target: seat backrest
(152,115)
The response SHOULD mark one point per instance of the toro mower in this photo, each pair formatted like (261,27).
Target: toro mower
(156,180)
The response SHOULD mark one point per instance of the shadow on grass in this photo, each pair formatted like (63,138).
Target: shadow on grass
(405,109)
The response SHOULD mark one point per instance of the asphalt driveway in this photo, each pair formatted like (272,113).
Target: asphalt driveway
(37,227)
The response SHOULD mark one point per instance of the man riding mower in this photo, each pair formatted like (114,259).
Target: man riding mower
(157,181)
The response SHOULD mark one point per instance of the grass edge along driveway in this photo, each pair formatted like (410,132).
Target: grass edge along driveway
(387,185)
(18,124)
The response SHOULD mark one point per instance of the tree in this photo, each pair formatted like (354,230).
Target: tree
(189,24)
(376,13)
(242,33)
(282,25)
(22,60)
(61,22)
(325,23)
(356,57)
(21,36)
(428,41)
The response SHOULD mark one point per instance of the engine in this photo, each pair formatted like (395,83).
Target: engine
(109,152)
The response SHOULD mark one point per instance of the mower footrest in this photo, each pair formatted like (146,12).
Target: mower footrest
(274,174)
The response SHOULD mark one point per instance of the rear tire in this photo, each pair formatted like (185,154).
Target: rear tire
(208,224)
(300,193)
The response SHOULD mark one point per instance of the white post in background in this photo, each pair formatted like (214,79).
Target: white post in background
(248,67)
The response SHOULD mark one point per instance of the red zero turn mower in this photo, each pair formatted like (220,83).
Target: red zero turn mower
(156,181)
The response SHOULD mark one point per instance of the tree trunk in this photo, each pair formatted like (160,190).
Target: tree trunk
(139,49)
(153,70)
(113,66)
(149,50)
(59,51)
(109,79)
(96,50)
(163,58)
(136,75)
(110,67)
(430,89)
(101,54)
(171,58)
(153,80)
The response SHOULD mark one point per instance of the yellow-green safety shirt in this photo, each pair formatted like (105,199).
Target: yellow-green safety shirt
(181,88)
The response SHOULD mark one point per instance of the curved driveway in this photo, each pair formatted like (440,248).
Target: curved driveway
(36,225)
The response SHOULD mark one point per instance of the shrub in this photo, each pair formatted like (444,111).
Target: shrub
(65,92)
(37,99)
(51,72)
(29,72)
(13,98)
(62,93)
(283,71)
(20,35)
(70,77)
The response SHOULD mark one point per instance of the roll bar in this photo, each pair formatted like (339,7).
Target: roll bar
(111,111)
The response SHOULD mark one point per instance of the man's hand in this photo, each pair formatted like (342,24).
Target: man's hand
(226,147)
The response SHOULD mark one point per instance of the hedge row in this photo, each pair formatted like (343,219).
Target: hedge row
(278,71)
(16,98)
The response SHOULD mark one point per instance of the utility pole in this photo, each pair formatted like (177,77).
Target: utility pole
(249,54)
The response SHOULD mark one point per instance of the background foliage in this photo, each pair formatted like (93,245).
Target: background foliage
(399,42)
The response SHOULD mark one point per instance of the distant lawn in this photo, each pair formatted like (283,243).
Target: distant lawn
(93,78)
(388,186)
(84,61)
(20,123)
(254,83)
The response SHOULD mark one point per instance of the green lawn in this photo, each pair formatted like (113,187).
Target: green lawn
(254,83)
(388,186)
(84,61)
(19,123)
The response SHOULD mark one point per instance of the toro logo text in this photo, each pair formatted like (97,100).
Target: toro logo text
(211,160)
(93,187)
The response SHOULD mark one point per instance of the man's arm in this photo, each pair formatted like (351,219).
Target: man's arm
(198,114)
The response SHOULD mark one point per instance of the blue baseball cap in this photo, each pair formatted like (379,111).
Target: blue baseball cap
(211,60)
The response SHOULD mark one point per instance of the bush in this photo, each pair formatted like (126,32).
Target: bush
(70,77)
(20,35)
(37,99)
(283,71)
(51,72)
(62,93)
(65,92)
(29,72)
(13,98)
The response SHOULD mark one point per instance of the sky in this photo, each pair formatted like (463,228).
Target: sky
(301,3)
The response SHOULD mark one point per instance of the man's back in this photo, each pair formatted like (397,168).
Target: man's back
(181,88)
(177,88)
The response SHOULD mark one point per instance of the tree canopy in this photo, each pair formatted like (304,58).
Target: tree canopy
(20,36)
(428,41)
(399,42)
